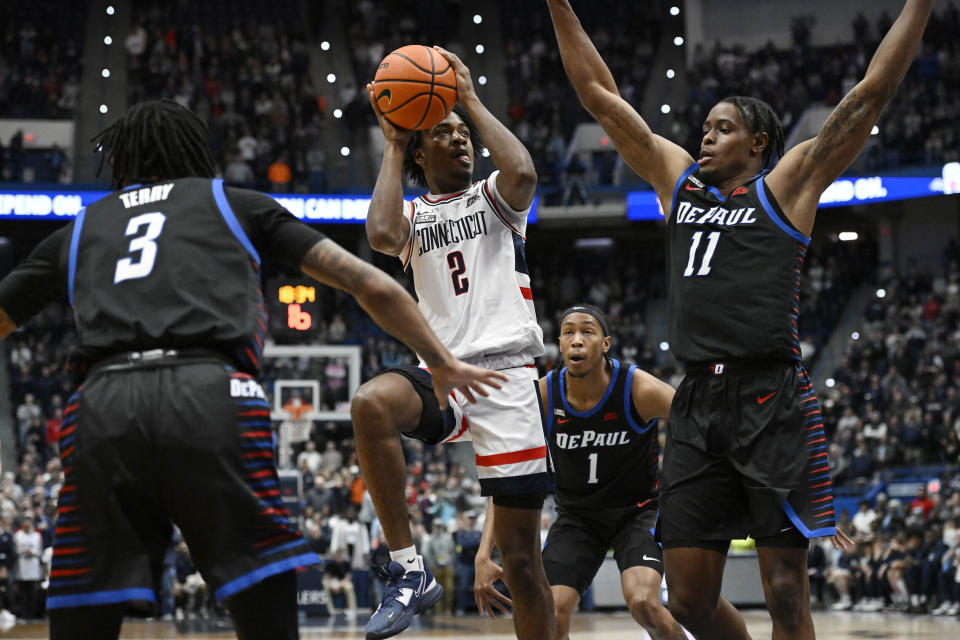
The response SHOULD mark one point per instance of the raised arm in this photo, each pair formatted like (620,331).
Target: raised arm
(517,181)
(651,396)
(394,309)
(655,159)
(808,169)
(387,228)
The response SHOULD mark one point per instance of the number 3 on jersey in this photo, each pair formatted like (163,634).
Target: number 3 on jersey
(129,268)
(456,263)
(704,269)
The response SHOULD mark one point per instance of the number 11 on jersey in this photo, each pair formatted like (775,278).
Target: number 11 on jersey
(704,269)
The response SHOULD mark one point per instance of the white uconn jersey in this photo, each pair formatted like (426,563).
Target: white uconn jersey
(467,254)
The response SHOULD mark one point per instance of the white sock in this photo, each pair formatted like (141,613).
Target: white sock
(408,558)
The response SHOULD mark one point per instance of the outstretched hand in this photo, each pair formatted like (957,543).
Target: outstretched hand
(842,542)
(486,573)
(464,81)
(465,378)
(391,132)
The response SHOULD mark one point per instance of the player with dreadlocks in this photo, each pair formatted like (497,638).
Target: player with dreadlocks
(170,425)
(745,446)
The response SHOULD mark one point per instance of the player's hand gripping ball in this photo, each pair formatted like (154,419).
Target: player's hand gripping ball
(415,87)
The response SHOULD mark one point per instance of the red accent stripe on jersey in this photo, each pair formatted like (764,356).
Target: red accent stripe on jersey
(527,293)
(823,499)
(496,209)
(463,427)
(60,530)
(68,430)
(67,572)
(822,484)
(68,551)
(260,474)
(257,434)
(67,488)
(66,452)
(67,470)
(819,455)
(412,237)
(70,409)
(278,538)
(259,454)
(264,494)
(245,376)
(512,457)
(640,504)
(66,508)
(258,412)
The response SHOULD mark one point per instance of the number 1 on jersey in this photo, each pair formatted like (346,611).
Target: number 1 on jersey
(455,262)
(127,269)
(593,479)
(704,269)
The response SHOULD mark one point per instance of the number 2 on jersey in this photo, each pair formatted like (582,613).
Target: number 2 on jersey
(128,268)
(455,262)
(704,269)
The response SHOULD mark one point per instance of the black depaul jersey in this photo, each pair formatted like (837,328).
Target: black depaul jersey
(171,265)
(605,457)
(733,273)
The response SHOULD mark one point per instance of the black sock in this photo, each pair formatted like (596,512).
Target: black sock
(267,610)
(100,622)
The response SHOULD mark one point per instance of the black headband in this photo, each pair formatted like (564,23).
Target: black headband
(590,310)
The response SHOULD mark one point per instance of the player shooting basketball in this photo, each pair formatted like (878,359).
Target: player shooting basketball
(746,448)
(464,242)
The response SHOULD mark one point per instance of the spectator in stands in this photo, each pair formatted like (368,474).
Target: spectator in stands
(863,520)
(338,580)
(29,548)
(439,553)
(310,457)
(923,503)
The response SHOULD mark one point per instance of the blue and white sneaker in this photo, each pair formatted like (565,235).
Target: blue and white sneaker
(406,594)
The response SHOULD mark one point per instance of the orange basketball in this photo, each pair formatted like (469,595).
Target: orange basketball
(415,87)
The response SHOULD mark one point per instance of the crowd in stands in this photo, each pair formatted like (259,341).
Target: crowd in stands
(40,58)
(243,68)
(917,128)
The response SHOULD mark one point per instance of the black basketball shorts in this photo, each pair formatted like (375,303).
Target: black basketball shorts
(746,454)
(435,425)
(578,541)
(182,442)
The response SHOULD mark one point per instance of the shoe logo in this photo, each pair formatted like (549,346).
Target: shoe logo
(610,416)
(649,559)
(390,615)
(739,191)
(689,188)
(762,399)
(406,593)
(562,421)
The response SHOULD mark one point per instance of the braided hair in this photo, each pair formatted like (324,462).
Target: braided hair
(414,171)
(760,118)
(153,141)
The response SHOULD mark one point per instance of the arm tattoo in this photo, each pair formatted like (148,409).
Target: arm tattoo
(341,268)
(852,112)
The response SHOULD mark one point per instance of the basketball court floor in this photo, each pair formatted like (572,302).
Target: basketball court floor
(592,626)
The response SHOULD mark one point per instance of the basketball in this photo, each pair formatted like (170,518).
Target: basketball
(415,87)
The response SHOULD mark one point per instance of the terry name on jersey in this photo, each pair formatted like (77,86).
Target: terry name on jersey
(590,438)
(689,214)
(446,232)
(147,195)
